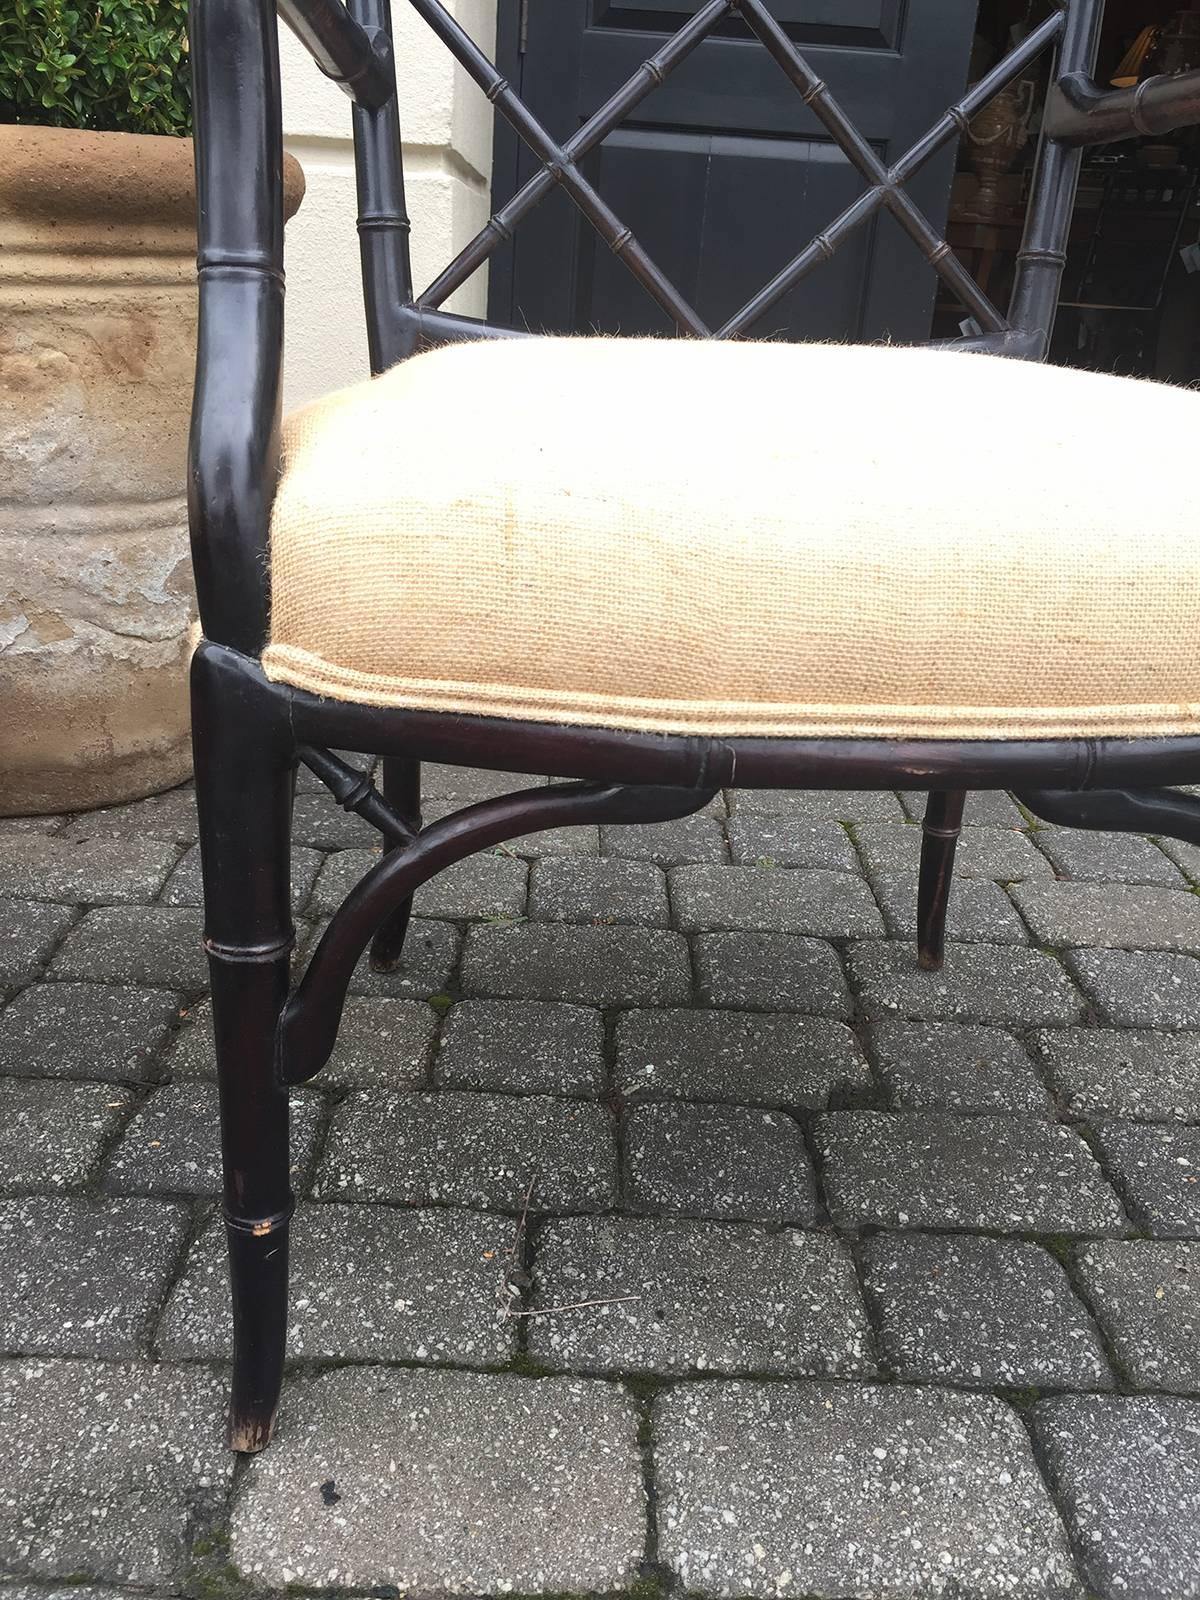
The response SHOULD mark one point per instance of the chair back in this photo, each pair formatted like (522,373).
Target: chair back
(234,50)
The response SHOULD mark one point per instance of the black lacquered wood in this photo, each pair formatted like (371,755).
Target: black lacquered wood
(1163,811)
(1042,257)
(561,165)
(354,791)
(244,770)
(402,791)
(234,449)
(614,111)
(357,60)
(949,126)
(250,733)
(383,225)
(309,1024)
(939,841)
(1081,112)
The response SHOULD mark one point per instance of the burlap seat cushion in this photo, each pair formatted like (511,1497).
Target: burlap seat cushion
(756,539)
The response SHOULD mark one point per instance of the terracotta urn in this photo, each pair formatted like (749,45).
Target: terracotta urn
(97,340)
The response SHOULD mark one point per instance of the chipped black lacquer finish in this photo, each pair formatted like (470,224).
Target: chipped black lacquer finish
(251,734)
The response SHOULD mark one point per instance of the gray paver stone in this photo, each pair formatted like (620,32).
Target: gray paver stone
(951,1066)
(99,871)
(51,1133)
(718,1161)
(1122,916)
(589,966)
(1147,1298)
(770,972)
(577,889)
(1087,857)
(572,841)
(73,1592)
(173,1144)
(709,1297)
(190,1053)
(667,844)
(980,912)
(985,808)
(983,852)
(84,1030)
(980,983)
(1149,1077)
(136,944)
(1185,856)
(757,840)
(980,1312)
(836,805)
(1158,1172)
(830,905)
(46,824)
(185,886)
(29,931)
(170,816)
(829,1490)
(440,781)
(382,1043)
(523,1046)
(321,824)
(746,1057)
(449,1482)
(368,1283)
(1126,1472)
(431,951)
(147,1463)
(491,884)
(83,1277)
(1139,989)
(338,874)
(470,1150)
(1007,1174)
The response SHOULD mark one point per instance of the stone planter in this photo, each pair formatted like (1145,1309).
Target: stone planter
(97,337)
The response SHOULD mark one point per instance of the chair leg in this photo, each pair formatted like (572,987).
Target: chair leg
(244,783)
(940,830)
(402,790)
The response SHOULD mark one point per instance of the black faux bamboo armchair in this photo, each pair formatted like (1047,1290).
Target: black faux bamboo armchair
(641,731)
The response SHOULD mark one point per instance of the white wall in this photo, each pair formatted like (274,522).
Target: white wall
(447,129)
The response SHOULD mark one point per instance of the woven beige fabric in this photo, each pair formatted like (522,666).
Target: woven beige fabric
(746,539)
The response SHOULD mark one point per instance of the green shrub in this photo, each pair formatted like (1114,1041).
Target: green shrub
(119,65)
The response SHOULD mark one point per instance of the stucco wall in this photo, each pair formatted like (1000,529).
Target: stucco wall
(447,131)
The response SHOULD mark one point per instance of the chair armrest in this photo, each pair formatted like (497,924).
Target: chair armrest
(357,59)
(1080,112)
(234,451)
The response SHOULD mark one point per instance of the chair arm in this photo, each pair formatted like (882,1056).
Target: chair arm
(1080,112)
(354,57)
(234,450)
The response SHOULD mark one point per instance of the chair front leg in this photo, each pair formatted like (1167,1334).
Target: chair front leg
(402,791)
(244,786)
(939,840)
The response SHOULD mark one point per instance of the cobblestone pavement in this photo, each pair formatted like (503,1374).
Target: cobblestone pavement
(839,1279)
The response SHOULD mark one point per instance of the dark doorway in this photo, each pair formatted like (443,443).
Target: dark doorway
(725,173)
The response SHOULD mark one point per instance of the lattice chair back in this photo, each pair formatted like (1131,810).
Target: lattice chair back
(1069,29)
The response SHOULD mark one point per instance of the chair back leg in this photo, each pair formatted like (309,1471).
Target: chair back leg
(939,840)
(402,790)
